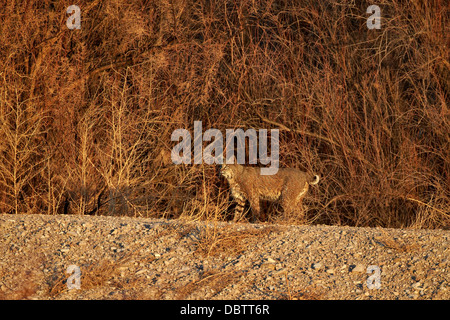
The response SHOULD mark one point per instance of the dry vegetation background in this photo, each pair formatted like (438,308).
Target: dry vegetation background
(86,115)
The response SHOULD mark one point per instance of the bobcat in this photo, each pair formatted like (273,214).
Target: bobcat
(288,185)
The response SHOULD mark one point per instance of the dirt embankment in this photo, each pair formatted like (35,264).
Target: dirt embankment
(137,258)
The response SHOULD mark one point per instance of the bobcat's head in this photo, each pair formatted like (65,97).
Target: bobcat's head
(229,171)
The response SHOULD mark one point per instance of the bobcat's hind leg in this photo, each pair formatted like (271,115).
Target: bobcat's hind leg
(292,201)
(255,207)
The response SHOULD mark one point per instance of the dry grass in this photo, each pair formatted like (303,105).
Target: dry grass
(214,280)
(397,244)
(309,293)
(86,115)
(97,274)
(25,286)
(226,242)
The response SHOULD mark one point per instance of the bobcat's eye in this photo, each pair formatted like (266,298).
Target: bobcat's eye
(224,171)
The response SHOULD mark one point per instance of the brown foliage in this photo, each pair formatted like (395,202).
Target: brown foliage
(86,115)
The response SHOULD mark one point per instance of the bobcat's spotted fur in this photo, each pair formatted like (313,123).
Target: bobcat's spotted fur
(287,185)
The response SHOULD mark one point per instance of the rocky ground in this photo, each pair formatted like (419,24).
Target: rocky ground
(137,258)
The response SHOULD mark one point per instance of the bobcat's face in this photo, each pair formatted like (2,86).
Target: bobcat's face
(229,171)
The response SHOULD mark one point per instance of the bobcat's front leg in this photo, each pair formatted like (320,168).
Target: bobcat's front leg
(239,210)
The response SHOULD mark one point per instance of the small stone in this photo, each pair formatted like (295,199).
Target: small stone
(317,266)
(417,286)
(270,266)
(270,260)
(358,268)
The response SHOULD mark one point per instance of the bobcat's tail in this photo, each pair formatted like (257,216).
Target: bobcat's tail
(315,181)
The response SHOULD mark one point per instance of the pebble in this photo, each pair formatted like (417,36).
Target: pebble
(359,268)
(317,266)
(417,286)
(270,260)
(270,266)
(257,271)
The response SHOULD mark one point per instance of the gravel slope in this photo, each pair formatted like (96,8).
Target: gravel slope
(137,258)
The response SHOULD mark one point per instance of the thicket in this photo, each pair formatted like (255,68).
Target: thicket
(86,116)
